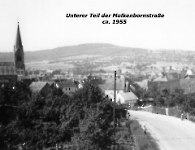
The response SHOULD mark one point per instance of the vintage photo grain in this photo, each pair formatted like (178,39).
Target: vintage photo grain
(97,75)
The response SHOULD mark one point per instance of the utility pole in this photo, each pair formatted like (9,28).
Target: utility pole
(114,105)
(114,101)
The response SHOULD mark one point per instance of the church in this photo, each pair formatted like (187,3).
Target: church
(10,71)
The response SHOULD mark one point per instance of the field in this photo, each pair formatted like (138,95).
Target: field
(105,62)
(46,65)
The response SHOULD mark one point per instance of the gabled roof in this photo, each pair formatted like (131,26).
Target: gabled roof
(165,77)
(50,83)
(129,96)
(161,79)
(173,76)
(109,85)
(67,84)
(143,84)
(37,86)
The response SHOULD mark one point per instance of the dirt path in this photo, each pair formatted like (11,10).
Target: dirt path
(170,133)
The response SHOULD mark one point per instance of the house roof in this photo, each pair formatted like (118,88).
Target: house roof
(129,96)
(37,86)
(50,83)
(67,84)
(143,84)
(161,79)
(109,84)
(7,68)
(165,77)
(172,76)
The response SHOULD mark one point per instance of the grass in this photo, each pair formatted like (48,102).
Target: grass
(142,141)
(124,137)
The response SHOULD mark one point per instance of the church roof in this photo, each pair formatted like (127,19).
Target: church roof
(7,68)
(18,44)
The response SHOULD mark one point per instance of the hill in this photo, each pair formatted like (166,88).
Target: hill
(84,49)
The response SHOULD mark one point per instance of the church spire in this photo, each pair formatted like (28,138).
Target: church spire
(18,44)
(19,54)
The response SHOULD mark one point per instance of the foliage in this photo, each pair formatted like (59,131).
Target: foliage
(41,121)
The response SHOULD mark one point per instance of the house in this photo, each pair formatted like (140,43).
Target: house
(143,84)
(40,87)
(108,86)
(128,98)
(51,84)
(67,87)
(167,81)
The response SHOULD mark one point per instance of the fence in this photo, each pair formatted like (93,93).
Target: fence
(170,112)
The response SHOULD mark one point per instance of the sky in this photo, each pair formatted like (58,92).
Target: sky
(44,25)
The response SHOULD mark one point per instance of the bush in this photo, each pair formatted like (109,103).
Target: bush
(174,112)
(159,110)
(192,118)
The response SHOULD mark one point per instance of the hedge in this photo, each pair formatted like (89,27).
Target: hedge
(159,110)
(174,112)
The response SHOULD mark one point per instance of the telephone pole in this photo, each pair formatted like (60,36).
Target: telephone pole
(114,101)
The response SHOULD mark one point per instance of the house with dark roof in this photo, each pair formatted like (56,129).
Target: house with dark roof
(108,87)
(67,87)
(40,87)
(167,81)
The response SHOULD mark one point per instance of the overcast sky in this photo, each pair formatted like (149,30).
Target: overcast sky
(44,25)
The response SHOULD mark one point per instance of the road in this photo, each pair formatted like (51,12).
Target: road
(170,133)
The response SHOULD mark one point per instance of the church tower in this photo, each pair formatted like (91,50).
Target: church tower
(19,54)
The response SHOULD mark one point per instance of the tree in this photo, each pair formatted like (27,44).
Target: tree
(41,121)
(94,113)
(11,98)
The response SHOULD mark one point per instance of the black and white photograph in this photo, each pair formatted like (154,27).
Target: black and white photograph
(97,75)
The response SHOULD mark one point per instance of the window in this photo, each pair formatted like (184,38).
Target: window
(19,58)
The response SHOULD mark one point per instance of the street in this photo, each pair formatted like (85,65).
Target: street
(169,132)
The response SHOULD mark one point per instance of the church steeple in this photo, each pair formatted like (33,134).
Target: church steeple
(19,53)
(18,44)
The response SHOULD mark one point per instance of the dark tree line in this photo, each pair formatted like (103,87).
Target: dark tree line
(40,121)
(184,102)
